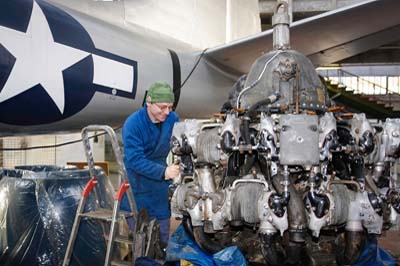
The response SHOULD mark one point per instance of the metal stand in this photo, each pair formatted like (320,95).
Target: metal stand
(108,215)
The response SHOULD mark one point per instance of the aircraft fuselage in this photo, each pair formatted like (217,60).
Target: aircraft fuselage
(61,70)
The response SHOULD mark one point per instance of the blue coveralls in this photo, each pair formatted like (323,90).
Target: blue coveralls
(146,148)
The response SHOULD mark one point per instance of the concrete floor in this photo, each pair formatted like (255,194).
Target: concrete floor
(390,241)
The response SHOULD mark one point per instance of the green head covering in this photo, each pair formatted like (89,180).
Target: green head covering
(160,92)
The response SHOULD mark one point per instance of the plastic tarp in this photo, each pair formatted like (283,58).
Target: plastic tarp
(144,261)
(37,211)
(13,173)
(46,168)
(373,255)
(182,246)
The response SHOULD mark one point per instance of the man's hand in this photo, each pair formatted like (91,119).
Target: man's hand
(171,172)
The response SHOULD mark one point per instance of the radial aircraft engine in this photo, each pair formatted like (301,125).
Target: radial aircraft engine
(281,173)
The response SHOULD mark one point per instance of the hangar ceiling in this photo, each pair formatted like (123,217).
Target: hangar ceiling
(386,54)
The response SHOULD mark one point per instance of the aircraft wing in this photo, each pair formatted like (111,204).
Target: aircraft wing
(325,38)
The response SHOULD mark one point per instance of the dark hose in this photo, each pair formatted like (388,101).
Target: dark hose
(320,203)
(187,225)
(204,241)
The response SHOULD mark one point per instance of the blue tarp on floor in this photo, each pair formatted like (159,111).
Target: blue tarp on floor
(181,246)
(373,255)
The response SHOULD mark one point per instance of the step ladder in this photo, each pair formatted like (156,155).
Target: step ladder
(111,216)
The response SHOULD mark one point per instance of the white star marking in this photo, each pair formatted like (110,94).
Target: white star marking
(39,60)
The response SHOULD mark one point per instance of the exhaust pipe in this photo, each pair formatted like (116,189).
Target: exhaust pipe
(354,245)
(269,249)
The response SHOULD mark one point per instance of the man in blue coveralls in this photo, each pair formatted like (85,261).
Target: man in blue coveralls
(146,136)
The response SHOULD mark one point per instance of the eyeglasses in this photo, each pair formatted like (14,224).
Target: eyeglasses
(164,108)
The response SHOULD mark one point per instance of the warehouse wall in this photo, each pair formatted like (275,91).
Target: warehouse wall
(51,156)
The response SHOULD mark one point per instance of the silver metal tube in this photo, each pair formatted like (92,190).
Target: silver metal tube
(280,23)
(206,180)
(286,180)
(207,185)
(236,182)
(345,182)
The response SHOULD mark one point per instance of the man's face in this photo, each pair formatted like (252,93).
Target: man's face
(158,112)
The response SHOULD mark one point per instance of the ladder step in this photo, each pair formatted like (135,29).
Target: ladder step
(121,263)
(121,239)
(104,214)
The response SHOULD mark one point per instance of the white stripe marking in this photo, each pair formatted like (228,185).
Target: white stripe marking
(113,74)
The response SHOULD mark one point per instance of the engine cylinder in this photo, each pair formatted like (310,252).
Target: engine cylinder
(244,199)
(341,200)
(207,143)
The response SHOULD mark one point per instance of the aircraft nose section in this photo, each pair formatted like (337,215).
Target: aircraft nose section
(7,61)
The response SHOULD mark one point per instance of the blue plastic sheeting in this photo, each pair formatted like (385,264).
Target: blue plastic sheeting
(373,255)
(46,168)
(143,261)
(181,246)
(36,217)
(13,173)
(229,256)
